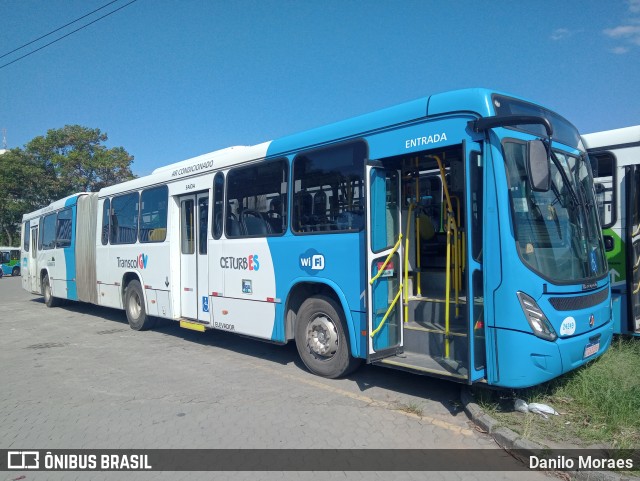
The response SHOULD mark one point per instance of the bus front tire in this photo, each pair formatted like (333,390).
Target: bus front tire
(321,340)
(135,308)
(16,271)
(49,300)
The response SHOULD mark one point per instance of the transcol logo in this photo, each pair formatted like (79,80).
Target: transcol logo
(139,262)
(312,262)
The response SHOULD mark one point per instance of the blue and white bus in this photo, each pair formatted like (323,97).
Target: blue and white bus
(9,261)
(450,236)
(615,155)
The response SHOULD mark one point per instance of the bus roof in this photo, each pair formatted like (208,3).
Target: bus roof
(58,204)
(608,139)
(473,100)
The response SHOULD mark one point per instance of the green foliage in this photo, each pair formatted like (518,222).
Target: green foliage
(65,161)
(599,403)
(80,161)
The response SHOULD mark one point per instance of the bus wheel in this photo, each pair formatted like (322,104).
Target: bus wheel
(15,271)
(134,306)
(320,338)
(49,300)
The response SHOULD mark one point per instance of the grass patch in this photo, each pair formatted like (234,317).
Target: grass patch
(599,403)
(411,408)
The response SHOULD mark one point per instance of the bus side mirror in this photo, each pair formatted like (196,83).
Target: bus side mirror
(538,166)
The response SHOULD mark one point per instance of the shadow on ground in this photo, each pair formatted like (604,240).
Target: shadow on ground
(366,377)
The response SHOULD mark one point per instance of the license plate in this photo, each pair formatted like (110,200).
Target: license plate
(591,349)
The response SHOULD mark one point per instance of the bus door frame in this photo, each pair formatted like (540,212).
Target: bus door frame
(475,152)
(33,258)
(633,250)
(394,270)
(194,266)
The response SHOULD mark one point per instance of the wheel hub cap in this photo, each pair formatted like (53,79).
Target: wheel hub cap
(322,336)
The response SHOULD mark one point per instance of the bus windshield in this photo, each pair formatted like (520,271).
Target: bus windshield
(557,232)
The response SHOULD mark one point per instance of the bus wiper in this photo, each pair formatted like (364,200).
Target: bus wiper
(565,178)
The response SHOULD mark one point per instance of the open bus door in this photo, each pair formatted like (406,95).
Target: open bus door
(384,264)
(632,176)
(425,299)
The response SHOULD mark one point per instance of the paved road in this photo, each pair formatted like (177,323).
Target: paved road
(76,376)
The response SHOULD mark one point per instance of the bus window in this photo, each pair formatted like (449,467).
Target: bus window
(257,200)
(603,166)
(25,236)
(106,208)
(203,224)
(187,229)
(329,189)
(218,203)
(63,228)
(124,219)
(48,235)
(153,214)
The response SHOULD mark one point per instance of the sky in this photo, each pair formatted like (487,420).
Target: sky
(170,80)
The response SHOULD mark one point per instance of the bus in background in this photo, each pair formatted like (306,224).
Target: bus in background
(10,261)
(330,238)
(615,156)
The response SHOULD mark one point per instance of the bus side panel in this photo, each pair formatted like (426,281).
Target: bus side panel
(247,306)
(523,367)
(335,260)
(61,262)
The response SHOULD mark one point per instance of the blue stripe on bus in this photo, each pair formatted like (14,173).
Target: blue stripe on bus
(70,252)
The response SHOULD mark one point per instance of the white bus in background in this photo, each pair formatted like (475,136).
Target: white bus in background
(615,156)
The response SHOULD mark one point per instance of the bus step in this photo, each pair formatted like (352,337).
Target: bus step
(434,328)
(426,364)
(461,300)
(431,340)
(193,325)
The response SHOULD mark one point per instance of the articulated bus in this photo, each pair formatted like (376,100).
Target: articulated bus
(9,261)
(615,156)
(333,238)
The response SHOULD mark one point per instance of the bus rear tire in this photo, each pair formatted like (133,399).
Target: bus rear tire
(16,271)
(49,300)
(321,340)
(135,308)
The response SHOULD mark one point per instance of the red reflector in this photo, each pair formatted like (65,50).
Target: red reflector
(270,299)
(364,333)
(215,294)
(147,287)
(479,325)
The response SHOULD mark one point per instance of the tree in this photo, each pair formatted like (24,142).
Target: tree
(65,161)
(80,161)
(25,185)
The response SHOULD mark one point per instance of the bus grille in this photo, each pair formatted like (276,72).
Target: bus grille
(578,302)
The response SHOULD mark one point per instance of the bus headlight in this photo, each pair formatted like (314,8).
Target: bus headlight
(539,323)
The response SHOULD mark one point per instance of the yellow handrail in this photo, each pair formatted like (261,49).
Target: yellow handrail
(453,250)
(386,261)
(406,263)
(384,319)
